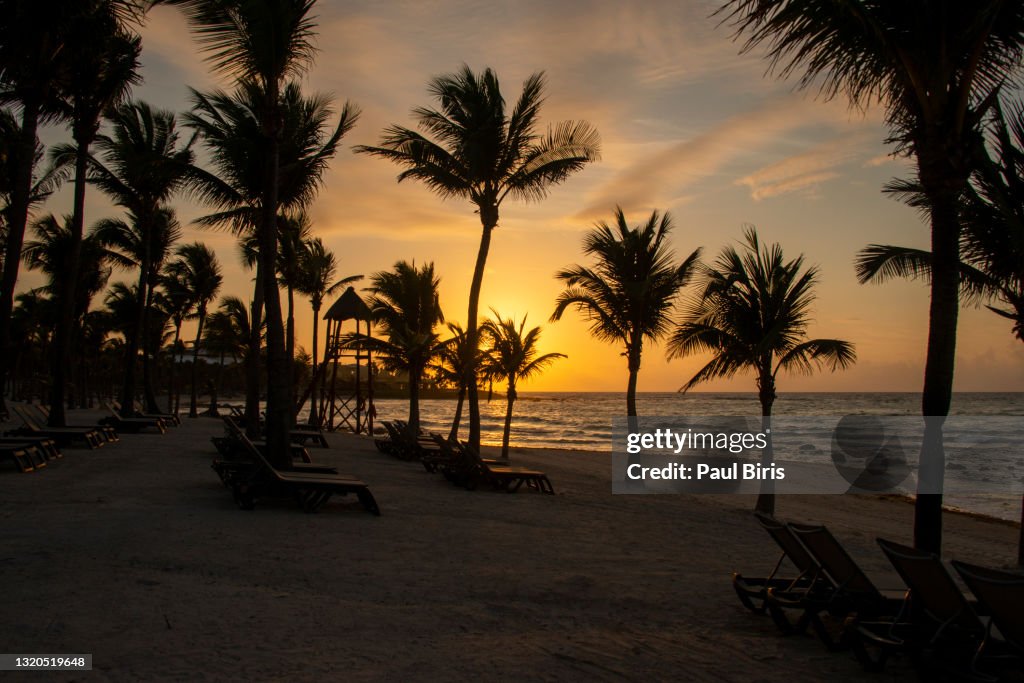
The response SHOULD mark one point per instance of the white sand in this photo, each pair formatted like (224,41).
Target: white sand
(136,553)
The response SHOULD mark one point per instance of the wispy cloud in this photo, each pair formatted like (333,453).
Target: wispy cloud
(807,170)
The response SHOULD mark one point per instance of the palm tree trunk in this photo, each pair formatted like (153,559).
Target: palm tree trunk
(172,406)
(489,219)
(454,433)
(131,351)
(252,360)
(193,406)
(510,401)
(66,304)
(414,402)
(290,340)
(17,218)
(314,416)
(939,363)
(147,370)
(279,373)
(766,395)
(634,371)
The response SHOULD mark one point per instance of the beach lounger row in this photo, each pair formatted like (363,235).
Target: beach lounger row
(930,620)
(251,476)
(89,436)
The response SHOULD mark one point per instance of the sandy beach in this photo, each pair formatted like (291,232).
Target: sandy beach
(136,554)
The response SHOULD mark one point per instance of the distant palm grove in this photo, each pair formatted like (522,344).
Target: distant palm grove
(132,311)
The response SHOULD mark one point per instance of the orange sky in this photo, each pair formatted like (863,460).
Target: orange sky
(687,126)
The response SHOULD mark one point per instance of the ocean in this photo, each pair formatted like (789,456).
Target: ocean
(583,421)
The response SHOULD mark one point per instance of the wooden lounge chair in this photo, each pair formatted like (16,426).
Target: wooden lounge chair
(42,414)
(311,489)
(752,591)
(939,620)
(1001,596)
(849,590)
(509,479)
(172,419)
(47,446)
(132,424)
(92,437)
(26,456)
(238,460)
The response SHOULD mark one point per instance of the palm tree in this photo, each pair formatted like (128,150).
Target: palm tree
(103,61)
(936,67)
(317,269)
(33,37)
(180,306)
(262,42)
(143,243)
(991,244)
(456,364)
(478,152)
(231,129)
(197,265)
(511,357)
(752,316)
(629,294)
(406,304)
(142,166)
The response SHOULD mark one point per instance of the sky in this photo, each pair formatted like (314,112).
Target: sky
(688,126)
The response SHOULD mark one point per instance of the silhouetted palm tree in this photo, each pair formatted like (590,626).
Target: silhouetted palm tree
(629,294)
(180,306)
(456,364)
(318,268)
(478,151)
(262,43)
(103,60)
(752,315)
(936,67)
(511,357)
(143,164)
(231,129)
(406,305)
(197,265)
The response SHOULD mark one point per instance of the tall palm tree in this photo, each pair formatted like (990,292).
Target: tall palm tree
(752,315)
(143,164)
(992,241)
(511,357)
(180,306)
(33,38)
(197,265)
(406,305)
(629,294)
(231,130)
(143,243)
(936,67)
(317,269)
(477,151)
(456,364)
(103,61)
(263,43)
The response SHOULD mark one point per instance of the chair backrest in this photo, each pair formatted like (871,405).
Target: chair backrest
(445,445)
(845,573)
(26,418)
(932,589)
(789,543)
(232,427)
(36,412)
(1001,594)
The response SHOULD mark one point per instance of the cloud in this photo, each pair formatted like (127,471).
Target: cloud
(651,177)
(807,170)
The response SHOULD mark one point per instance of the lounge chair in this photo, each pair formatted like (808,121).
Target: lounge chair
(509,479)
(92,437)
(47,446)
(26,456)
(312,490)
(752,591)
(849,590)
(939,624)
(42,414)
(172,419)
(239,461)
(132,424)
(1001,596)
